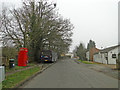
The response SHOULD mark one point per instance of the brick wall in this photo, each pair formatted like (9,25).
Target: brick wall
(91,52)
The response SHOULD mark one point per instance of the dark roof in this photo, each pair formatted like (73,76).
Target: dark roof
(108,49)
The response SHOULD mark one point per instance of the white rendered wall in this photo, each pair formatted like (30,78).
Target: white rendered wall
(110,59)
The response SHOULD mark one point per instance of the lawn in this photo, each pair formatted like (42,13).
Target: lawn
(12,80)
(18,67)
(85,62)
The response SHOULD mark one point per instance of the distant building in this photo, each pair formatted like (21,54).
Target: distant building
(90,52)
(107,55)
(71,55)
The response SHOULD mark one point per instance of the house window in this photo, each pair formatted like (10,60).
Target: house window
(113,55)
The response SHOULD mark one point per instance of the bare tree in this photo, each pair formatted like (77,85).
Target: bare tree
(37,26)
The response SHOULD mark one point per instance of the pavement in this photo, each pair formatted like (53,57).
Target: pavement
(106,69)
(69,74)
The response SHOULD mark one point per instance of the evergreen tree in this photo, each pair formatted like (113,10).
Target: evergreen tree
(91,44)
(81,51)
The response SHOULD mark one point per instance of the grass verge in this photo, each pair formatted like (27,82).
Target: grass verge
(14,79)
(18,67)
(85,62)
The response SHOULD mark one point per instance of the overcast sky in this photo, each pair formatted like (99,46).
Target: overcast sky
(93,19)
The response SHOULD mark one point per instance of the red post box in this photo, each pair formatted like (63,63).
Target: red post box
(22,57)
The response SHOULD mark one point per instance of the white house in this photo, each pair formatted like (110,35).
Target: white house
(100,58)
(87,55)
(107,55)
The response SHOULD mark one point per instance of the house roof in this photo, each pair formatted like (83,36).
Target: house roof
(107,49)
(87,51)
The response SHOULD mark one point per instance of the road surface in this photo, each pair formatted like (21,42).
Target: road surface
(69,74)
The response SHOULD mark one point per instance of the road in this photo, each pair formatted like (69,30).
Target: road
(69,74)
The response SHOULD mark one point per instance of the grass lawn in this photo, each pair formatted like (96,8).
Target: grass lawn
(85,62)
(12,80)
(18,67)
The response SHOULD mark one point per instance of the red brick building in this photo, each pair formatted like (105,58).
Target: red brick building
(91,52)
